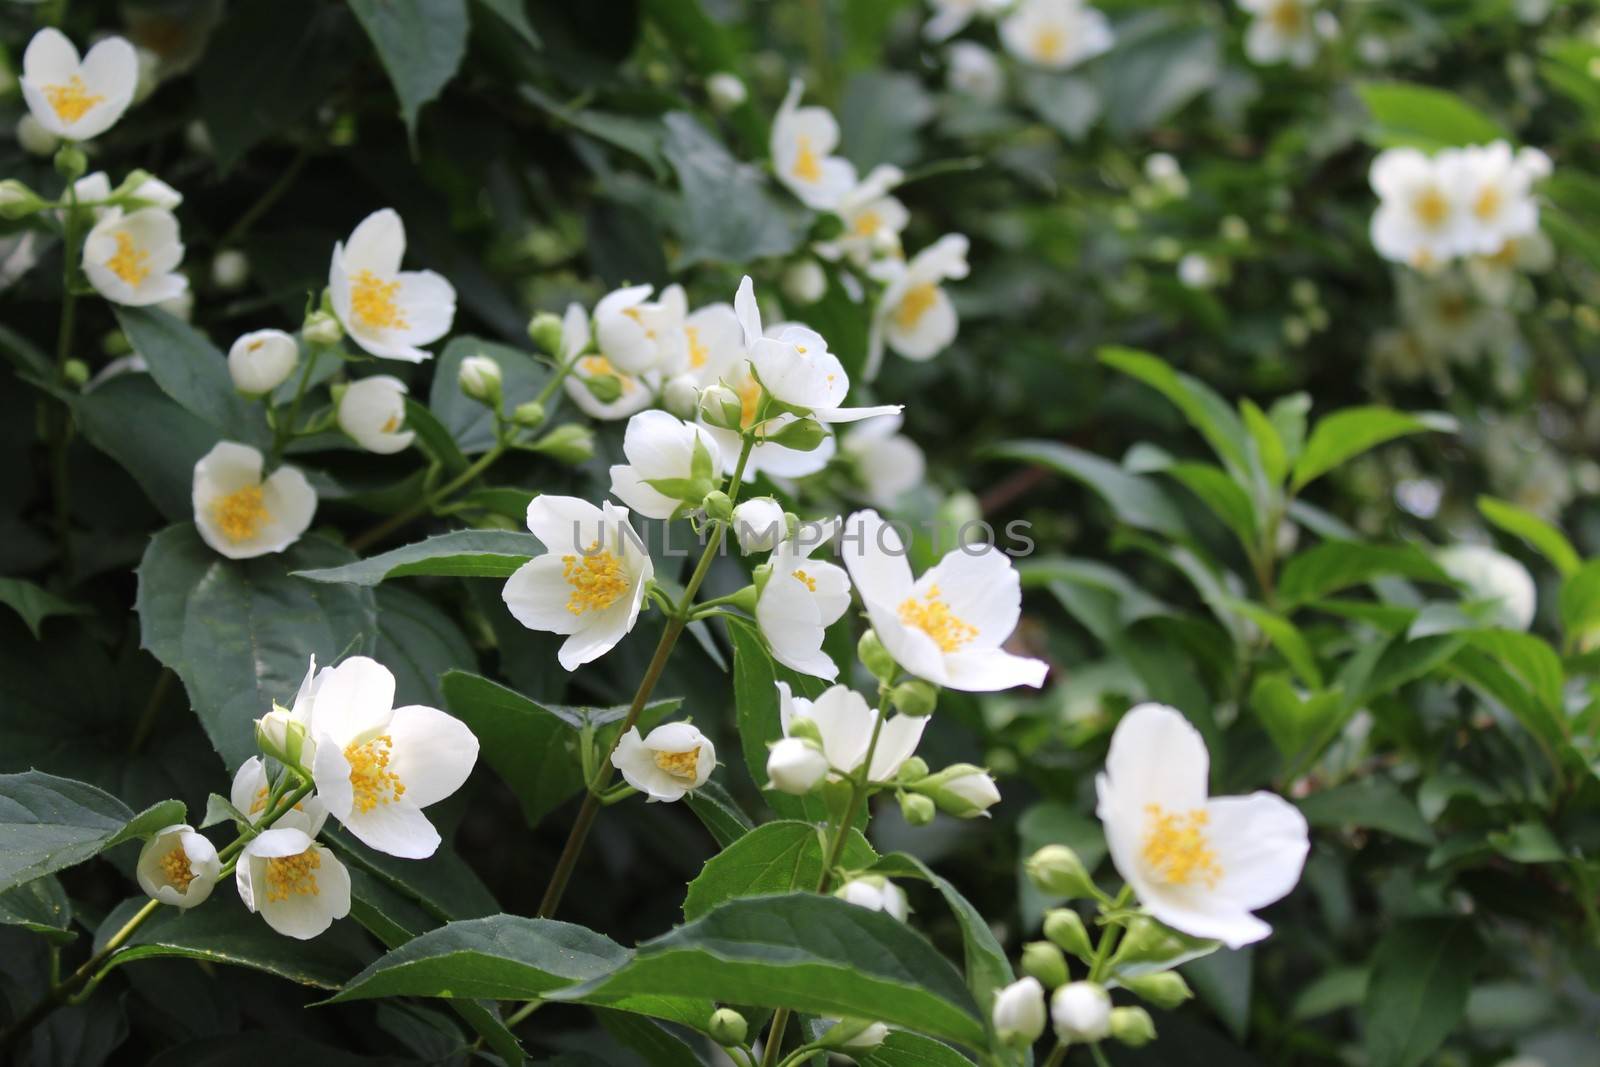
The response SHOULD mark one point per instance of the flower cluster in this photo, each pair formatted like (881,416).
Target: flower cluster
(1458,203)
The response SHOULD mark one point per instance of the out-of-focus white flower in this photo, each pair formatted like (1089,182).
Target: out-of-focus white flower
(590,582)
(1201,865)
(1446,317)
(1055,34)
(132,259)
(34,139)
(713,344)
(671,466)
(800,599)
(1495,191)
(633,392)
(726,91)
(1419,214)
(873,220)
(950,17)
(373,412)
(1282,31)
(875,893)
(240,515)
(803,140)
(804,282)
(389,312)
(262,360)
(974,71)
(230,269)
(74,99)
(479,379)
(1494,576)
(1019,1012)
(915,316)
(1495,276)
(1081,1011)
(796,765)
(94,189)
(1196,271)
(758,524)
(671,760)
(637,334)
(178,866)
(793,362)
(842,720)
(887,462)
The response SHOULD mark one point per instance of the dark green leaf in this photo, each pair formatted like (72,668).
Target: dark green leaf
(729,215)
(1421,975)
(49,823)
(462,554)
(419,643)
(777,857)
(41,906)
(1370,803)
(1348,433)
(420,43)
(35,604)
(116,416)
(522,377)
(1335,565)
(190,370)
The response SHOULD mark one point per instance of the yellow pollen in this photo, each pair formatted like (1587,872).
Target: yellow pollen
(749,400)
(596,578)
(1287,17)
(1431,207)
(1487,204)
(254,346)
(391,425)
(71,99)
(866,224)
(806,580)
(807,167)
(372,300)
(1049,42)
(371,780)
(698,351)
(684,765)
(130,263)
(800,349)
(1505,256)
(241,513)
(293,875)
(177,869)
(915,304)
(1175,847)
(600,367)
(933,617)
(259,804)
(633,313)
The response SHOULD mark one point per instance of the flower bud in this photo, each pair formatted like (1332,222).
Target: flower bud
(1019,1013)
(605,388)
(802,435)
(1132,1026)
(283,737)
(1057,870)
(916,809)
(479,378)
(76,372)
(17,200)
(34,138)
(1081,1011)
(544,330)
(961,789)
(71,162)
(1042,960)
(1065,927)
(178,866)
(796,766)
(261,361)
(718,506)
(681,396)
(875,893)
(728,1027)
(570,442)
(321,328)
(1147,941)
(722,408)
(805,282)
(912,771)
(875,657)
(726,91)
(1166,989)
(854,1035)
(528,414)
(758,524)
(230,269)
(915,698)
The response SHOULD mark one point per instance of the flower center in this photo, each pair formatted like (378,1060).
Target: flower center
(807,167)
(295,876)
(391,425)
(866,224)
(71,99)
(933,617)
(1431,207)
(177,870)
(596,578)
(1287,17)
(806,580)
(698,351)
(749,401)
(1487,204)
(130,263)
(1049,42)
(371,780)
(1175,847)
(373,301)
(918,299)
(600,367)
(241,513)
(683,765)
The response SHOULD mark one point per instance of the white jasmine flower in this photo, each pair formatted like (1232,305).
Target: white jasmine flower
(297,885)
(950,17)
(377,766)
(1494,189)
(241,515)
(670,468)
(670,761)
(1446,317)
(230,269)
(1494,576)
(766,457)
(639,335)
(1200,865)
(974,71)
(887,462)
(372,411)
(873,220)
(792,362)
(1196,271)
(74,99)
(758,524)
(803,140)
(178,866)
(1419,215)
(94,189)
(132,259)
(1055,34)
(1282,31)
(389,312)
(843,722)
(804,282)
(795,766)
(590,582)
(948,625)
(1081,1011)
(713,344)
(262,360)
(634,392)
(915,316)
(800,599)
(1019,1012)
(875,893)
(726,91)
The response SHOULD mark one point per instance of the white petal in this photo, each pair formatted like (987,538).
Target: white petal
(989,670)
(248,782)
(982,589)
(377,244)
(897,742)
(1260,843)
(398,828)
(355,701)
(876,559)
(536,595)
(428,302)
(565,524)
(433,753)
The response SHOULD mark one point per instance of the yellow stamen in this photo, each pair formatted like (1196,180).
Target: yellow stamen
(241,513)
(259,804)
(1431,207)
(71,99)
(866,224)
(130,263)
(177,870)
(1487,204)
(1049,43)
(372,301)
(918,299)
(1176,849)
(749,401)
(597,580)
(600,367)
(933,617)
(371,780)
(391,425)
(293,875)
(807,167)
(806,580)
(684,765)
(699,352)
(1287,17)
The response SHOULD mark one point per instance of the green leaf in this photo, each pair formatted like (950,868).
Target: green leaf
(435,439)
(1205,410)
(730,214)
(1352,431)
(420,43)
(777,857)
(34,603)
(522,377)
(1158,65)
(1294,723)
(40,906)
(1286,638)
(652,1041)
(755,697)
(716,809)
(1270,446)
(1519,522)
(419,643)
(1421,975)
(901,1049)
(1528,657)
(1580,601)
(443,885)
(1133,499)
(809,953)
(239,633)
(116,416)
(49,823)
(1370,803)
(1422,117)
(190,370)
(1334,565)
(1219,492)
(639,137)
(461,554)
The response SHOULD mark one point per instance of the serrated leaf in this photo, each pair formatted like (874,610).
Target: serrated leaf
(461,554)
(420,43)
(776,857)
(190,370)
(49,823)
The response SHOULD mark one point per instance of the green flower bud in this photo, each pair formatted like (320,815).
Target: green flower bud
(1042,960)
(1065,927)
(544,330)
(728,1027)
(321,328)
(568,443)
(283,737)
(603,387)
(912,771)
(479,378)
(875,657)
(962,790)
(1132,1026)
(17,200)
(718,506)
(1147,941)
(529,414)
(1166,990)
(1057,870)
(803,435)
(71,162)
(916,809)
(722,408)
(855,1035)
(806,729)
(916,698)
(75,371)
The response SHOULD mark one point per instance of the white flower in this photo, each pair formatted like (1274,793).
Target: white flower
(1419,214)
(479,378)
(1081,1011)
(792,362)
(887,462)
(377,766)
(803,139)
(262,360)
(589,583)
(297,885)
(239,514)
(1447,318)
(230,269)
(873,220)
(78,100)
(668,762)
(373,410)
(948,625)
(975,71)
(950,17)
(133,259)
(178,866)
(758,524)
(1282,31)
(1495,276)
(726,91)
(914,315)
(767,457)
(1494,576)
(1019,1013)
(875,893)
(94,189)
(1198,865)
(804,282)
(843,722)
(713,344)
(800,599)
(34,139)
(638,335)
(634,392)
(671,465)
(1494,190)
(1055,34)
(1196,271)
(389,312)
(251,790)
(795,766)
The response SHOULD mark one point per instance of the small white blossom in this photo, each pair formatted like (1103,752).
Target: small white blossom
(1081,1011)
(887,462)
(758,524)
(802,144)
(373,411)
(915,316)
(1055,34)
(389,312)
(1282,31)
(843,721)
(262,360)
(132,259)
(671,760)
(973,70)
(1019,1012)
(178,866)
(242,515)
(796,766)
(800,599)
(74,99)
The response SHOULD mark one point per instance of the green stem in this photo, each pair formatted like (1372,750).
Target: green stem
(399,519)
(1108,940)
(283,431)
(522,1013)
(1099,1057)
(61,421)
(1057,1055)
